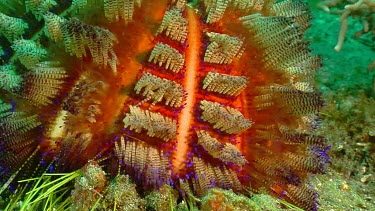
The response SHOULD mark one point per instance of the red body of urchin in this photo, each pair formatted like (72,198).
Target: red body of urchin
(271,116)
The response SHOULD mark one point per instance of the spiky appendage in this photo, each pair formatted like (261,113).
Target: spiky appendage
(40,85)
(18,142)
(217,94)
(12,28)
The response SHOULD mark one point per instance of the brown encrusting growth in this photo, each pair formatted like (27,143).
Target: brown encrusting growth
(216,94)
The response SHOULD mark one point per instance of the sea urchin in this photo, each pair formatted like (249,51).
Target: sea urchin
(212,93)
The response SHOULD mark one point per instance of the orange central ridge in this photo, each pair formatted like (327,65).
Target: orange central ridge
(190,84)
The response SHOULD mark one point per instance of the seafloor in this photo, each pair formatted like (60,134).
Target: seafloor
(348,120)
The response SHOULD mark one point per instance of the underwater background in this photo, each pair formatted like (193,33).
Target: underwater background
(346,81)
(347,85)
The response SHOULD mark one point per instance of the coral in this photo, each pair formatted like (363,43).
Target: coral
(163,199)
(163,94)
(225,200)
(87,187)
(92,186)
(122,195)
(217,202)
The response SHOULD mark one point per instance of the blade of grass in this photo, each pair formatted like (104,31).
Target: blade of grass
(61,196)
(291,206)
(171,202)
(45,205)
(28,180)
(29,197)
(16,198)
(55,174)
(56,186)
(96,204)
(53,181)
(64,206)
